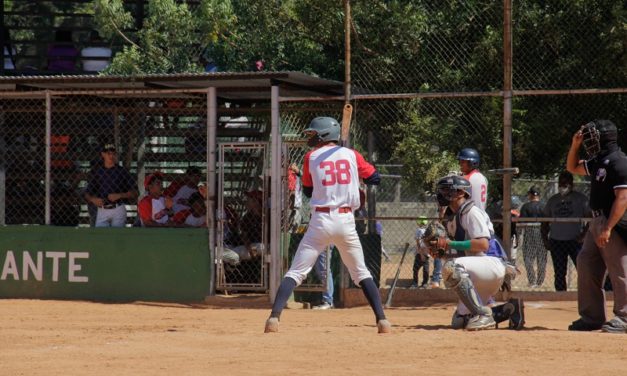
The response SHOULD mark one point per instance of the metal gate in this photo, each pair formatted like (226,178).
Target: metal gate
(296,213)
(242,218)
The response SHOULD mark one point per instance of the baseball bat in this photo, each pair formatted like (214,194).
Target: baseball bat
(347,113)
(388,302)
(503,171)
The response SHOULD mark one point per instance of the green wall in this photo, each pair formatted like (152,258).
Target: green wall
(104,264)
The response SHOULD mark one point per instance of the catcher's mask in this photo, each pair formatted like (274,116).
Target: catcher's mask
(448,186)
(597,134)
(322,129)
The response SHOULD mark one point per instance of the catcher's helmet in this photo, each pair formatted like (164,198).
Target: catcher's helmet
(596,135)
(448,186)
(322,129)
(469,154)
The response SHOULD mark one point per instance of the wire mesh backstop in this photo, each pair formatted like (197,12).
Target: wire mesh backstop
(418,97)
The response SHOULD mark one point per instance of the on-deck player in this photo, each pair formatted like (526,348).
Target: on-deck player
(469,165)
(330,178)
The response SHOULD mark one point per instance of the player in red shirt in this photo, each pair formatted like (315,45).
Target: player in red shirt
(154,209)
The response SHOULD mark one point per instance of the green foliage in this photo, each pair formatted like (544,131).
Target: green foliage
(171,36)
(408,46)
(420,147)
(305,36)
(448,45)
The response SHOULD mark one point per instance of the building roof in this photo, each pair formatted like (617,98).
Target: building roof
(230,85)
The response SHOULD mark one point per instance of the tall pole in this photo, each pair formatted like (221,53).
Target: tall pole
(507,124)
(212,127)
(344,277)
(275,192)
(48,156)
(347,58)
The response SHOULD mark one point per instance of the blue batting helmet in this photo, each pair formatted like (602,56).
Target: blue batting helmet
(469,154)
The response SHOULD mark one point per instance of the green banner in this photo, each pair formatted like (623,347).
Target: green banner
(104,264)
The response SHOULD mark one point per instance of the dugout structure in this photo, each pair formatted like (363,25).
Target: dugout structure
(230,125)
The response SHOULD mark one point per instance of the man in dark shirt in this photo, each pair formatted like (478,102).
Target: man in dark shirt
(534,252)
(605,245)
(110,188)
(564,239)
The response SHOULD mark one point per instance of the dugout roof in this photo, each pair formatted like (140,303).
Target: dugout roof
(253,86)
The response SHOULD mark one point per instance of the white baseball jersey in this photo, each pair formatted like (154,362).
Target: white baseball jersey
(479,187)
(195,221)
(153,209)
(475,222)
(183,193)
(333,172)
(486,272)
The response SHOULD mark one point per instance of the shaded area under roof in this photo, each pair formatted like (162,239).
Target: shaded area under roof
(230,85)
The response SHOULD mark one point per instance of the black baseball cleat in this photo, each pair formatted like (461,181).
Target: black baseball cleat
(582,326)
(517,318)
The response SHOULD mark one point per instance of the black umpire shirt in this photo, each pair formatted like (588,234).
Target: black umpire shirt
(607,173)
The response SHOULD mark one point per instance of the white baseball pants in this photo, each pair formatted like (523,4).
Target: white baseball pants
(325,229)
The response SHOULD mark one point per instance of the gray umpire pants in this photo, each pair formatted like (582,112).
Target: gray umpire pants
(592,262)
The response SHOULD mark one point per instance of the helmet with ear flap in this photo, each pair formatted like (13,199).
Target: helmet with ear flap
(322,129)
(471,155)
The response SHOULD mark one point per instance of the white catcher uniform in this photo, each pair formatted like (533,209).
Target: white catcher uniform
(485,272)
(333,172)
(479,187)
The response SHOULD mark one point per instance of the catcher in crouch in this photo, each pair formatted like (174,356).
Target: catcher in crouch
(478,276)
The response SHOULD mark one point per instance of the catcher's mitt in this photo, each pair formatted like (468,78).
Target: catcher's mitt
(434,231)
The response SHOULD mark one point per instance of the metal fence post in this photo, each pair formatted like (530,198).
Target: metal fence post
(275,186)
(212,127)
(507,124)
(48,156)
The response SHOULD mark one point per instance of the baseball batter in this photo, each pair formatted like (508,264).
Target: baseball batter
(469,160)
(330,178)
(477,277)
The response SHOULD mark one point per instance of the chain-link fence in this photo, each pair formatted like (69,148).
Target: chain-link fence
(434,89)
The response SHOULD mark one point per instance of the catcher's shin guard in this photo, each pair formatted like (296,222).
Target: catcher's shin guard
(517,318)
(459,321)
(456,278)
(502,312)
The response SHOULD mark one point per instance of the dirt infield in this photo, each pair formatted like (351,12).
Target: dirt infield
(225,337)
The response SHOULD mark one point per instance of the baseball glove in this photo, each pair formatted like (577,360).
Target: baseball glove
(432,236)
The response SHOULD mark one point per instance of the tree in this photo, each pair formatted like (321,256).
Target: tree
(171,38)
(427,46)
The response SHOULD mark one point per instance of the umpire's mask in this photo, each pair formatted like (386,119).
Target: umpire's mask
(599,137)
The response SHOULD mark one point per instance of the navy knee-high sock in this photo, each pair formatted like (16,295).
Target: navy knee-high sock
(285,290)
(372,294)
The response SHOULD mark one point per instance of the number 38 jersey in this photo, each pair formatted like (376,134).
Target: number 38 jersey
(334,172)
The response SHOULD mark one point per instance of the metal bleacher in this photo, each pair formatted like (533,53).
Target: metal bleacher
(29,28)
